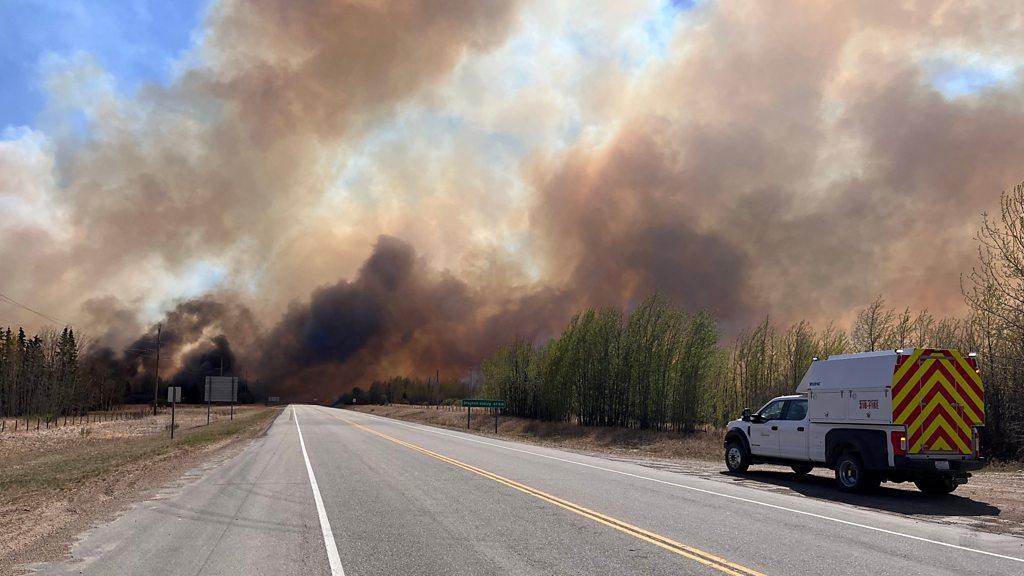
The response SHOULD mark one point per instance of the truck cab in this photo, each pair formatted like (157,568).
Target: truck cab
(902,415)
(778,433)
(779,429)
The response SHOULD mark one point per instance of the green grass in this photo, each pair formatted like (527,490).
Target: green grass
(206,435)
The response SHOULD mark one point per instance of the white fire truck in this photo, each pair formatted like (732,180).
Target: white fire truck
(897,416)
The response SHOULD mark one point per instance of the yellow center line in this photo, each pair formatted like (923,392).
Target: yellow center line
(695,554)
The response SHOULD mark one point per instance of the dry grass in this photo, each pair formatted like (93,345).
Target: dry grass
(53,483)
(703,445)
(55,458)
(106,426)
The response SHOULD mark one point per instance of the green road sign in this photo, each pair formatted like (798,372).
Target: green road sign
(482,403)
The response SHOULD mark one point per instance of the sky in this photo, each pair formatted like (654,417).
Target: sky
(135,42)
(496,166)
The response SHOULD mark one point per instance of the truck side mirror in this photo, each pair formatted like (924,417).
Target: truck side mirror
(746,414)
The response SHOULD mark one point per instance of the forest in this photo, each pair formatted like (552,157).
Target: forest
(48,374)
(663,368)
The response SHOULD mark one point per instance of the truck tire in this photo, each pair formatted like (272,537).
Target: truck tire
(937,485)
(852,476)
(802,469)
(737,458)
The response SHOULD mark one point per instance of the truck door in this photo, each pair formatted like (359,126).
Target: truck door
(764,434)
(793,436)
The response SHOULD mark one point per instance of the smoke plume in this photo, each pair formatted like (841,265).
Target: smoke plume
(336,191)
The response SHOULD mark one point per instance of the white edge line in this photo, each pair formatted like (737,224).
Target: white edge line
(702,490)
(325,524)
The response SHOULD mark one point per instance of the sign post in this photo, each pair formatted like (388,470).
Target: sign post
(221,389)
(495,405)
(173,396)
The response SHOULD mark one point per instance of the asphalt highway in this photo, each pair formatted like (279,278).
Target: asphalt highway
(329,492)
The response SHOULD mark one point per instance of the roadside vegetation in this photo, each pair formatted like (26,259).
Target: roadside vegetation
(703,445)
(55,482)
(63,460)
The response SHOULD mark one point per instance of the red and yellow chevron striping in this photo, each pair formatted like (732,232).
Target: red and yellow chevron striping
(939,397)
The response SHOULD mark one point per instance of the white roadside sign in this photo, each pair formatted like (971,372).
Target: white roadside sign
(174,394)
(221,389)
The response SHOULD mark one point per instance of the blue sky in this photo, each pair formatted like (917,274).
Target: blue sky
(954,80)
(136,41)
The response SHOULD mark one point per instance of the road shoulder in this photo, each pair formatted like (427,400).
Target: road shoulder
(54,494)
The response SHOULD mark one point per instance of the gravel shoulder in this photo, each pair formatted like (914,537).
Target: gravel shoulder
(992,501)
(56,483)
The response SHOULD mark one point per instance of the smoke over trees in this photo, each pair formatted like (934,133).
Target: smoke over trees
(995,291)
(661,367)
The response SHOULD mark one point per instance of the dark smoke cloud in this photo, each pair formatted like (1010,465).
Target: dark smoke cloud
(620,227)
(396,316)
(211,358)
(186,334)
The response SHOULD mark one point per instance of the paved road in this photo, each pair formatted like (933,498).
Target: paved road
(338,491)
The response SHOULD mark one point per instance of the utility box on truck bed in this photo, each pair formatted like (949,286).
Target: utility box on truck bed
(850,388)
(936,394)
(910,414)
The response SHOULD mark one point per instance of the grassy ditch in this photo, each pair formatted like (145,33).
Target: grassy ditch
(705,445)
(77,462)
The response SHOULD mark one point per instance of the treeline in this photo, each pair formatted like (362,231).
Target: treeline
(664,368)
(649,370)
(404,390)
(659,368)
(47,374)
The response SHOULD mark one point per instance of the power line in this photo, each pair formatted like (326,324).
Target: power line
(57,321)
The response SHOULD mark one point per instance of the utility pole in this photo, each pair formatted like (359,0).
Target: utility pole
(156,380)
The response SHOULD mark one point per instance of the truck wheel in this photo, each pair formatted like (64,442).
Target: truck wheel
(851,476)
(937,485)
(802,469)
(737,459)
